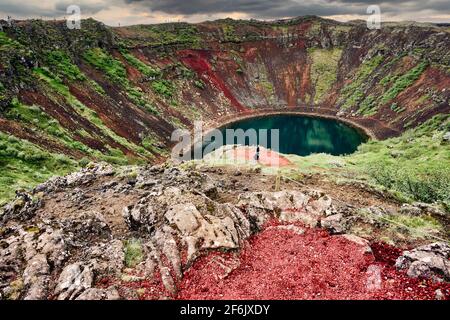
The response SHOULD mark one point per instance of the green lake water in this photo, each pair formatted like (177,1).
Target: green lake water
(302,135)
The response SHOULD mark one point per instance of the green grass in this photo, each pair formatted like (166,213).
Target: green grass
(150,143)
(165,34)
(416,164)
(425,223)
(61,62)
(400,227)
(403,82)
(352,93)
(116,72)
(6,42)
(164,88)
(25,165)
(33,116)
(176,33)
(133,253)
(143,68)
(136,95)
(61,65)
(200,84)
(397,108)
(89,114)
(368,106)
(112,67)
(2,92)
(229,33)
(324,69)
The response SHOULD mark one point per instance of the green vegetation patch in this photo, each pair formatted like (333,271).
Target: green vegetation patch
(416,164)
(6,42)
(2,92)
(398,227)
(229,33)
(146,70)
(368,106)
(61,62)
(25,165)
(200,84)
(324,70)
(133,253)
(164,88)
(165,34)
(35,117)
(403,82)
(56,84)
(113,68)
(397,108)
(116,72)
(352,92)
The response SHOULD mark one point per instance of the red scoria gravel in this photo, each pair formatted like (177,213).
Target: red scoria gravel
(281,264)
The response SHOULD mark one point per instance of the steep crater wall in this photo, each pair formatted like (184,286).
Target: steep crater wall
(117,94)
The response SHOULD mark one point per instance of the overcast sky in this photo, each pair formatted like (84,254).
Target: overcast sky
(126,12)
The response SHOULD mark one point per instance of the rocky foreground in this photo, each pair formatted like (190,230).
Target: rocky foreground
(167,232)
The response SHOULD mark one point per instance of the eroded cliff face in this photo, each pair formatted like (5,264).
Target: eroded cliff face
(117,94)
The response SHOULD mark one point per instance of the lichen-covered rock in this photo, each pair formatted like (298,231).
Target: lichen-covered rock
(410,210)
(289,206)
(419,208)
(140,216)
(446,137)
(430,261)
(185,217)
(36,278)
(88,174)
(52,243)
(73,280)
(86,226)
(109,256)
(52,185)
(22,208)
(334,223)
(203,231)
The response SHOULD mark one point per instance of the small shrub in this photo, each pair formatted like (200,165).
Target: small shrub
(163,87)
(133,253)
(199,84)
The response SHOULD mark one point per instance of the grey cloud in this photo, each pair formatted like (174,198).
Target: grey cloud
(265,8)
(57,8)
(30,9)
(87,7)
(282,8)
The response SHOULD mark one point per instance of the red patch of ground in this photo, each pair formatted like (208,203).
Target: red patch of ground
(266,157)
(385,253)
(198,61)
(282,264)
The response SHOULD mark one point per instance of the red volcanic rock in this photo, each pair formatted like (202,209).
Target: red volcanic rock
(282,264)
